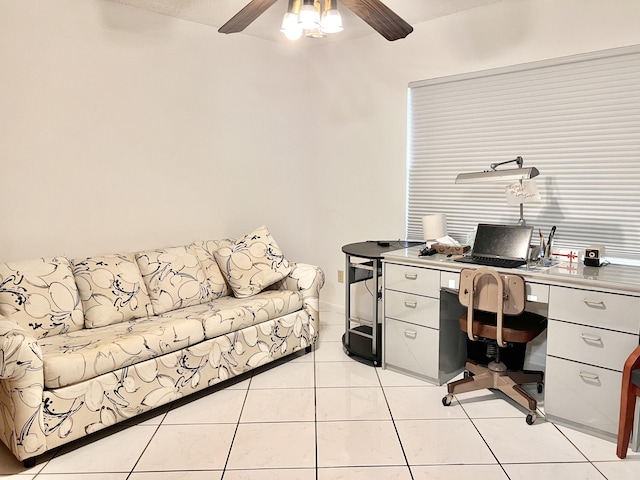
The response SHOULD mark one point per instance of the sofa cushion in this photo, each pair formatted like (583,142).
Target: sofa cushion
(111,289)
(41,296)
(73,357)
(204,251)
(229,314)
(174,278)
(252,263)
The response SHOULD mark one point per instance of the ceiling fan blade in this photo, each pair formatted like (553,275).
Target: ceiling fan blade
(380,17)
(244,17)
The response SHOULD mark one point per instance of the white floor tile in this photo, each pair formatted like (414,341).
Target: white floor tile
(363,403)
(273,445)
(389,378)
(84,476)
(188,447)
(627,469)
(345,374)
(489,404)
(331,352)
(285,375)
(279,405)
(358,443)
(331,332)
(364,473)
(420,403)
(10,465)
(271,474)
(452,441)
(240,383)
(329,317)
(115,453)
(594,448)
(173,475)
(222,406)
(460,472)
(540,442)
(553,471)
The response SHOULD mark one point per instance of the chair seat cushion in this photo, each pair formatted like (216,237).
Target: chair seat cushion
(516,329)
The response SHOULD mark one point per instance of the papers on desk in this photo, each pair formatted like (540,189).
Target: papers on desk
(541,267)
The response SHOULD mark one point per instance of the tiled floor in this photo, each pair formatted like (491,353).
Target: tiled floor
(325,416)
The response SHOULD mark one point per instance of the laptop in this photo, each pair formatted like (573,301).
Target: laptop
(505,246)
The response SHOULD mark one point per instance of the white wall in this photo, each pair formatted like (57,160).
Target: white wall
(122,130)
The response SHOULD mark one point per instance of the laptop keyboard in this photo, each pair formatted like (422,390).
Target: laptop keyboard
(492,262)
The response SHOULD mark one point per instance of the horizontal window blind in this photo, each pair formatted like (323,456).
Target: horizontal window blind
(577,119)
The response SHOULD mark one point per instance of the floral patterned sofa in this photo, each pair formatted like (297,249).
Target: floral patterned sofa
(87,343)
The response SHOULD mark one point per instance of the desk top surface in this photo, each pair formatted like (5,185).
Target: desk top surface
(614,278)
(376,248)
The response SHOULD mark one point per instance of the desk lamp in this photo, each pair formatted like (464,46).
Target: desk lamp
(520,173)
(434,226)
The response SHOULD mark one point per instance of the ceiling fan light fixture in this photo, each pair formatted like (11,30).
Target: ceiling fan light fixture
(318,18)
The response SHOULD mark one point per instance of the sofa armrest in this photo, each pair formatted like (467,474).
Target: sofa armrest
(307,279)
(21,391)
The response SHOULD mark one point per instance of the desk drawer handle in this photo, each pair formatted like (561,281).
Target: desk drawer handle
(410,334)
(590,338)
(593,303)
(411,276)
(589,376)
(410,304)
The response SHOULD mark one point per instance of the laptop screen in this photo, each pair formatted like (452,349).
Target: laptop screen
(502,241)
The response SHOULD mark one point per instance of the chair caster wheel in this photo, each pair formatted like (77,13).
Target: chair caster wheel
(446,400)
(531,418)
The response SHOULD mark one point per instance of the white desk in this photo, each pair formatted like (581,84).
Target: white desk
(594,324)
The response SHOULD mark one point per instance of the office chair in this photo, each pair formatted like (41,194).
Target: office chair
(496,315)
(630,390)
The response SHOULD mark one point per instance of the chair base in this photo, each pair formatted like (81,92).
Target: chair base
(495,375)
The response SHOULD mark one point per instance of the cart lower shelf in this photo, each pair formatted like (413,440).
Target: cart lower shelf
(359,347)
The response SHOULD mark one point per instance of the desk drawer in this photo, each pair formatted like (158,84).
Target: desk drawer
(412,348)
(604,348)
(412,308)
(589,396)
(598,309)
(421,281)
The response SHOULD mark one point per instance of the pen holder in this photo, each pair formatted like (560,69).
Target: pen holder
(546,259)
(535,251)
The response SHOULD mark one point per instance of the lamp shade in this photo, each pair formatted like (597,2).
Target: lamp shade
(434,226)
(498,175)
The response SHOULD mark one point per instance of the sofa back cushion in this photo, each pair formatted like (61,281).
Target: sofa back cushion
(252,263)
(41,296)
(204,250)
(111,289)
(174,278)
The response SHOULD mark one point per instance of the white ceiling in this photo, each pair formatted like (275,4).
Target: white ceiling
(217,12)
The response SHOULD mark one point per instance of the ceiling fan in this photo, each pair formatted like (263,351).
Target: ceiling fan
(380,17)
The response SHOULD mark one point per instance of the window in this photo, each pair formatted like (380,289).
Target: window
(577,119)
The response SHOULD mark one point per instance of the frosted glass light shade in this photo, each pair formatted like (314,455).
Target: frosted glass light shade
(331,22)
(290,26)
(434,226)
(309,17)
